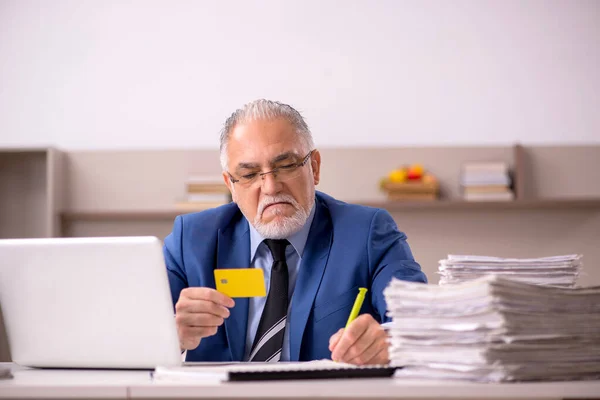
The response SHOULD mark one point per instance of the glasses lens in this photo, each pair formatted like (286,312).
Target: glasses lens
(248,180)
(287,174)
(280,174)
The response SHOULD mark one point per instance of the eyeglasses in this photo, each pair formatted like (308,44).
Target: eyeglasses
(281,174)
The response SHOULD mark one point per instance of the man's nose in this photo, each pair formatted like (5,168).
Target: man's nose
(270,183)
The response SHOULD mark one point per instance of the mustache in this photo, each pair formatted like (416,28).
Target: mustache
(280,198)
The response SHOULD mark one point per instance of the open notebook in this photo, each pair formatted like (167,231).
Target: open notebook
(320,369)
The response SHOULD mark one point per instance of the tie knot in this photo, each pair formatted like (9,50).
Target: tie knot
(277,247)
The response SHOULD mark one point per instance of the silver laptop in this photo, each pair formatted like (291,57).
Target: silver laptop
(87,303)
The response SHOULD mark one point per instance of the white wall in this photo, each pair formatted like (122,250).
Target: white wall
(166,74)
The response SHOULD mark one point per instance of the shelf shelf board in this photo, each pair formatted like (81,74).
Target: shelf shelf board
(391,206)
(123,215)
(21,150)
(461,205)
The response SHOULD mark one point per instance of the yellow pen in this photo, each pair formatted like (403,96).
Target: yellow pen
(360,297)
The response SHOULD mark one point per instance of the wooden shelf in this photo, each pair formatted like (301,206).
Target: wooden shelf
(121,215)
(460,205)
(18,150)
(441,205)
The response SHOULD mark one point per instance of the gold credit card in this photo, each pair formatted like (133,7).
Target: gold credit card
(242,282)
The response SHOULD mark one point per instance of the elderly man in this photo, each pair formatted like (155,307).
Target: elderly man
(315,251)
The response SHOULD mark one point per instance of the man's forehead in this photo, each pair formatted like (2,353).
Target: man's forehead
(250,156)
(263,141)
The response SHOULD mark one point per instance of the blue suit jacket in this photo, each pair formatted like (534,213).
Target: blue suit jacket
(348,247)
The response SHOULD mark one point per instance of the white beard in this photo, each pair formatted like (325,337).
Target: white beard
(282,227)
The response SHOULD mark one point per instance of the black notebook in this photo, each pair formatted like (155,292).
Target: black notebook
(334,372)
(321,369)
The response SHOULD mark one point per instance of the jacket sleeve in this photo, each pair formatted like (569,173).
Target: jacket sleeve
(389,256)
(173,252)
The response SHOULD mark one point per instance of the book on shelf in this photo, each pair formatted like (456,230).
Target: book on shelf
(499,196)
(209,188)
(205,184)
(208,197)
(485,173)
(190,206)
(485,167)
(203,192)
(486,181)
(486,189)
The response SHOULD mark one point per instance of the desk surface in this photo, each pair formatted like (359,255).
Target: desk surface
(98,384)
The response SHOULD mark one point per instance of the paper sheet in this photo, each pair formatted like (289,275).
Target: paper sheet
(493,329)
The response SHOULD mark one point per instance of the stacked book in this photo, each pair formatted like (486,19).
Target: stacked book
(203,192)
(486,181)
(553,271)
(493,329)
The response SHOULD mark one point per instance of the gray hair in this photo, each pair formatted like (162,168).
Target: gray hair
(264,109)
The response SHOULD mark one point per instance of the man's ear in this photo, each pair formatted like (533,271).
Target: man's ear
(229,185)
(315,162)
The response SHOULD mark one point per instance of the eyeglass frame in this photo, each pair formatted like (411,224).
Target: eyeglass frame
(261,175)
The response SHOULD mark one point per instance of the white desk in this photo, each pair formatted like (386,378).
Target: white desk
(51,384)
(48,383)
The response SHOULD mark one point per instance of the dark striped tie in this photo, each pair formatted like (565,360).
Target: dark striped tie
(269,335)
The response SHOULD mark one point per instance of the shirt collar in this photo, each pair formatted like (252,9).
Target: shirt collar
(297,240)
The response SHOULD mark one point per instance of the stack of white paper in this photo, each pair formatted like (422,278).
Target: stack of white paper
(553,271)
(492,329)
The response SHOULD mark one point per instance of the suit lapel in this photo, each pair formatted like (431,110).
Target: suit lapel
(309,277)
(233,251)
